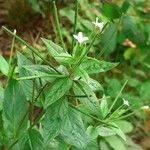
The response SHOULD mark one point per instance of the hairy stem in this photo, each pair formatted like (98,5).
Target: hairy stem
(12,49)
(117,97)
(58,26)
(75,21)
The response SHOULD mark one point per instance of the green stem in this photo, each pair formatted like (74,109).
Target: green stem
(12,49)
(77,96)
(98,142)
(117,96)
(116,111)
(125,116)
(33,94)
(32,103)
(58,26)
(13,144)
(93,117)
(75,22)
(11,72)
(83,90)
(41,90)
(37,120)
(79,51)
(41,84)
(31,48)
(90,116)
(11,69)
(39,76)
(111,116)
(22,121)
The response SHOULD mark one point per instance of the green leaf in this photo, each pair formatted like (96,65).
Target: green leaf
(111,11)
(39,69)
(115,143)
(55,115)
(104,108)
(109,39)
(36,6)
(64,59)
(92,132)
(104,145)
(27,85)
(109,131)
(31,140)
(144,90)
(124,125)
(92,65)
(118,131)
(130,29)
(52,48)
(57,145)
(80,73)
(73,131)
(95,85)
(90,101)
(14,109)
(133,82)
(36,70)
(1,124)
(2,132)
(125,6)
(111,89)
(1,97)
(35,140)
(105,131)
(58,89)
(23,142)
(129,53)
(92,145)
(4,67)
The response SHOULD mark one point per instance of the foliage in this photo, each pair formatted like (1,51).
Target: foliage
(64,99)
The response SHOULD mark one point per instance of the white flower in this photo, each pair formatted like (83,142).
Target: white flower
(80,38)
(125,102)
(100,25)
(145,107)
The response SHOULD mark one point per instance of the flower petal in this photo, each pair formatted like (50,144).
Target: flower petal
(80,38)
